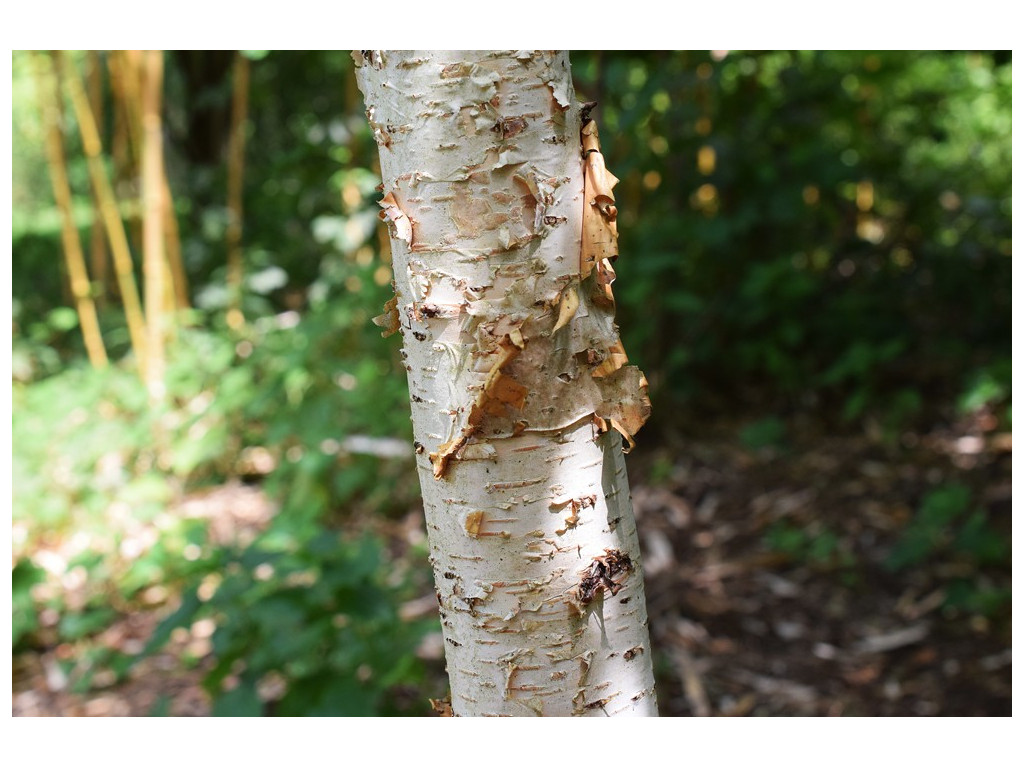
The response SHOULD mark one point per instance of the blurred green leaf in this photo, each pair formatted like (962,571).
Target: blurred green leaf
(767,433)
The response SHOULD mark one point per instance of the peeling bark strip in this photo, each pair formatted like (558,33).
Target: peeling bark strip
(601,575)
(503,229)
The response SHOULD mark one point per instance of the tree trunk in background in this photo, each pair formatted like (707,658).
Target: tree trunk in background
(98,243)
(502,263)
(81,289)
(126,77)
(154,264)
(236,175)
(175,265)
(117,239)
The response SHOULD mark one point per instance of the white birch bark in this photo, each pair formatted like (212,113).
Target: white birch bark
(518,382)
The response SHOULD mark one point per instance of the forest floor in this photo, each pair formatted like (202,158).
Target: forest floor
(771,588)
(771,585)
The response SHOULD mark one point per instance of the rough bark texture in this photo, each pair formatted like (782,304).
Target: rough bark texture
(503,233)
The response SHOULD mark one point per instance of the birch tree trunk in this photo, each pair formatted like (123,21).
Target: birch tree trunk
(503,232)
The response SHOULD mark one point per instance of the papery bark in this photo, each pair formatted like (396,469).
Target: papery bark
(518,381)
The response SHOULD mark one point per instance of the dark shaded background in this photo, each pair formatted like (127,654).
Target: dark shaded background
(815,276)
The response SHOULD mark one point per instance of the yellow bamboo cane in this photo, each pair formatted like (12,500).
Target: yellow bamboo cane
(172,236)
(119,143)
(125,74)
(154,264)
(112,222)
(97,243)
(49,93)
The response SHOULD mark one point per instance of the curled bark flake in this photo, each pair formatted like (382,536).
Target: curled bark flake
(600,231)
(560,85)
(575,505)
(507,127)
(567,306)
(473,522)
(477,452)
(389,320)
(458,69)
(503,394)
(627,404)
(581,689)
(626,435)
(585,109)
(412,63)
(497,394)
(473,85)
(644,692)
(599,704)
(443,707)
(613,361)
(510,662)
(600,575)
(373,59)
(394,214)
(430,311)
(602,293)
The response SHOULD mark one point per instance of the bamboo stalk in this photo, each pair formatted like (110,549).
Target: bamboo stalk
(67,296)
(236,172)
(112,222)
(125,79)
(154,264)
(127,64)
(97,243)
(49,96)
(179,280)
(131,68)
(119,143)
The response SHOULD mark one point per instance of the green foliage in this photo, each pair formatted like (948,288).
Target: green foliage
(300,602)
(808,229)
(945,523)
(987,386)
(811,545)
(769,432)
(822,231)
(315,620)
(24,576)
(973,596)
(930,530)
(947,527)
(308,388)
(91,450)
(799,229)
(88,439)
